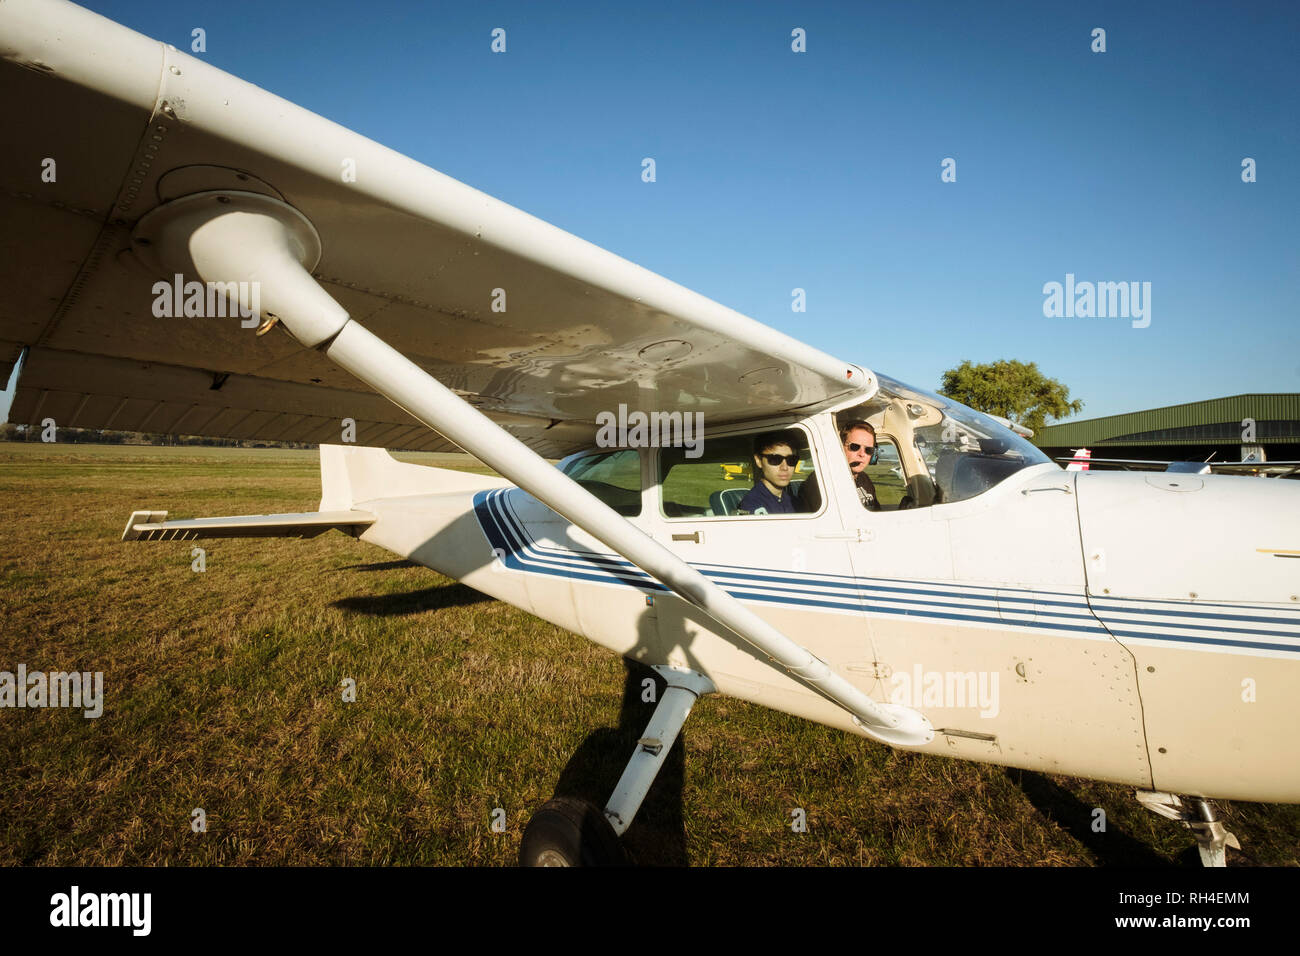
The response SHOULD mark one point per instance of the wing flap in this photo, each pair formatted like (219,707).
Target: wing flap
(79,390)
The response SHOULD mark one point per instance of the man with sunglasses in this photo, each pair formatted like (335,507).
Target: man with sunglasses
(775,461)
(859,441)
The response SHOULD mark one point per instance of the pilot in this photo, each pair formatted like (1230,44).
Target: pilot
(775,461)
(859,441)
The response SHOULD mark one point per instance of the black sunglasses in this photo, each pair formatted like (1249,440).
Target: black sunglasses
(874,449)
(775,460)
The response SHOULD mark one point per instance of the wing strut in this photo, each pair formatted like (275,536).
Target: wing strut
(253,238)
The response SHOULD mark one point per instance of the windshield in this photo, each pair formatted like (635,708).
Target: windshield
(965,452)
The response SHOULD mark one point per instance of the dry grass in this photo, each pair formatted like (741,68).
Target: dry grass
(222,691)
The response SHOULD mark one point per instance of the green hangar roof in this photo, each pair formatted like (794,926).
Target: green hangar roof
(1276,417)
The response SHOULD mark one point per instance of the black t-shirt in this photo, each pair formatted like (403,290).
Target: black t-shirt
(810,497)
(866,491)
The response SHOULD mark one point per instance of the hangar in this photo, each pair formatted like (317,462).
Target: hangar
(1217,429)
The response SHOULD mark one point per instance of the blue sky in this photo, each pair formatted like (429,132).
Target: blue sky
(821,170)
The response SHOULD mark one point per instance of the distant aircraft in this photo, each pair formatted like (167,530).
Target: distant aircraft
(1142,629)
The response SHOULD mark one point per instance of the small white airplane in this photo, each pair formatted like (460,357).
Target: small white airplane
(1081,460)
(1142,629)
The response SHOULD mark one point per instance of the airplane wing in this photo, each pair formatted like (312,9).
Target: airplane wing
(1265,469)
(533,326)
(1125,464)
(508,335)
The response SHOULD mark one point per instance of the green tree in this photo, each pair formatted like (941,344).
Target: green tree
(1014,390)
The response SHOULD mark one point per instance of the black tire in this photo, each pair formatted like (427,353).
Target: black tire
(567,831)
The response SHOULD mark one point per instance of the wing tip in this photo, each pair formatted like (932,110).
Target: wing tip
(133,530)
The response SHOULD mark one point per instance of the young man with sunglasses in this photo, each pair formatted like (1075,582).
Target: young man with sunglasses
(859,441)
(775,461)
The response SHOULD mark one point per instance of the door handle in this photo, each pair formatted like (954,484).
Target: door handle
(1030,491)
(696,537)
(857,534)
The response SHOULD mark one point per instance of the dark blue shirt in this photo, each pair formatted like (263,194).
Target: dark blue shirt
(760,497)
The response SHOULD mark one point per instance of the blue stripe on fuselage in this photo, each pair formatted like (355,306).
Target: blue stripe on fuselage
(506,532)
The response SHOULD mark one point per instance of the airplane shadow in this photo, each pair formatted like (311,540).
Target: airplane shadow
(1112,848)
(412,602)
(381,566)
(657,836)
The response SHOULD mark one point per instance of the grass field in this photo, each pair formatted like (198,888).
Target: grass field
(222,691)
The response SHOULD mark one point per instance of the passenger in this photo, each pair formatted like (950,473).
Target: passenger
(859,441)
(774,463)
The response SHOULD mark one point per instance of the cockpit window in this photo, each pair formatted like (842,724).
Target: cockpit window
(964,451)
(612,476)
(886,475)
(715,484)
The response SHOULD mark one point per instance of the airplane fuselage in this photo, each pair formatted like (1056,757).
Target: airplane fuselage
(1142,629)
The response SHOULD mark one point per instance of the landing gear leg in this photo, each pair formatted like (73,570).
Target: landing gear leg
(571,832)
(1212,839)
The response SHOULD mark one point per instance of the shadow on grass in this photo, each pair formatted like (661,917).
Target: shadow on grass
(380,566)
(1112,848)
(657,836)
(413,602)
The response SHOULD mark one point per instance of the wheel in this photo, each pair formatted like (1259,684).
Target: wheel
(567,831)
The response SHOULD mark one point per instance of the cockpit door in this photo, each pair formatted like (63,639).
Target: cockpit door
(792,569)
